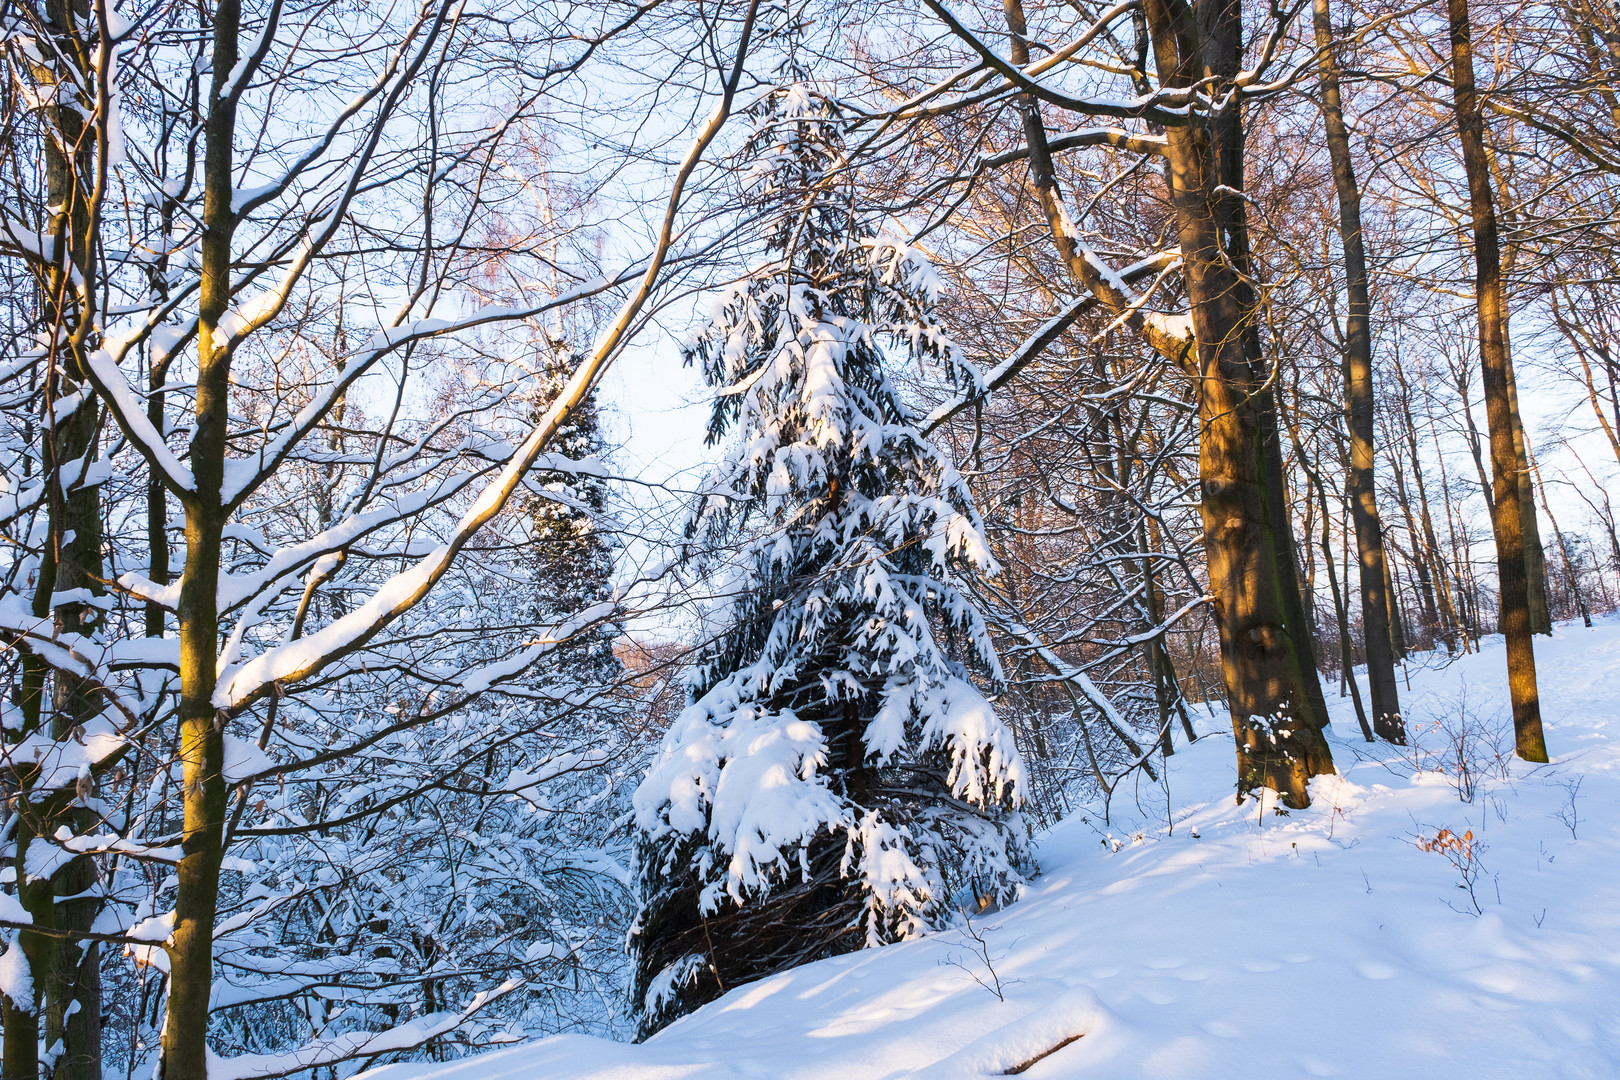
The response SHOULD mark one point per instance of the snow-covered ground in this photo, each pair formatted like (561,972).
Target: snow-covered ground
(1227,941)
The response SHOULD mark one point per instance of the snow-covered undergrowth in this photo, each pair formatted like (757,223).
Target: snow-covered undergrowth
(1226,941)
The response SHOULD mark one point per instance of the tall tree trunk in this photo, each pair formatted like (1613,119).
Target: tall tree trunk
(1358,394)
(1274,717)
(64,1016)
(191,952)
(1506,519)
(1272,689)
(1222,53)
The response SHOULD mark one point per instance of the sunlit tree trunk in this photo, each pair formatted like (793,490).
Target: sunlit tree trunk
(1271,687)
(1275,697)
(1506,517)
(202,752)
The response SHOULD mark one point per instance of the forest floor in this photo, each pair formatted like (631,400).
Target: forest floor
(1182,935)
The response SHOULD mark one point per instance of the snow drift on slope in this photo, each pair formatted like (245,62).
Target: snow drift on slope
(1185,936)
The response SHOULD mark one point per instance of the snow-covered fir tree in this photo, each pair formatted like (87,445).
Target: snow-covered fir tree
(837,781)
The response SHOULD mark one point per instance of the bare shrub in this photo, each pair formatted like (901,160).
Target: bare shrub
(1462,743)
(979,957)
(1463,853)
(1569,814)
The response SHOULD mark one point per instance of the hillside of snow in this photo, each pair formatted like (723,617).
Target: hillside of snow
(1217,940)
